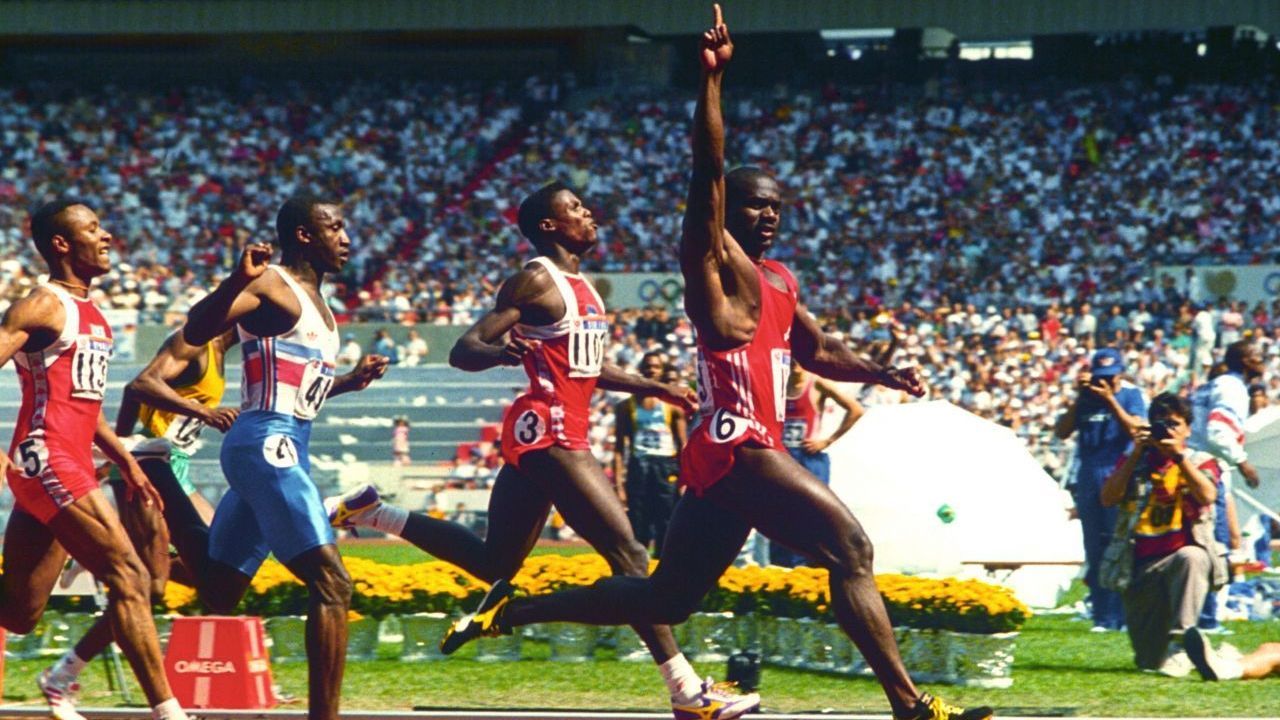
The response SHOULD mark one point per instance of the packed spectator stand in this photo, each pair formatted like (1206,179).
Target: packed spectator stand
(1004,232)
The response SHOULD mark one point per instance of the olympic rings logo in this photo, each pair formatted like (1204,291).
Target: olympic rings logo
(1272,283)
(667,291)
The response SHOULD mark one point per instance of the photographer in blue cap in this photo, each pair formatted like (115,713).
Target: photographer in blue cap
(1106,413)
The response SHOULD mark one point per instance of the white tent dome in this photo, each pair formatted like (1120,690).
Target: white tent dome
(901,463)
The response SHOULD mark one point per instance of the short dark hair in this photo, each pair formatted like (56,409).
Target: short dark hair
(48,221)
(655,353)
(1233,358)
(296,211)
(739,181)
(536,207)
(1166,404)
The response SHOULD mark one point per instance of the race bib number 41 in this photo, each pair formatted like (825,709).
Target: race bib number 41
(317,381)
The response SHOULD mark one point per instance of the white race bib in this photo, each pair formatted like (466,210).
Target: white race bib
(781,363)
(280,451)
(529,428)
(317,381)
(89,368)
(793,432)
(586,349)
(726,427)
(183,432)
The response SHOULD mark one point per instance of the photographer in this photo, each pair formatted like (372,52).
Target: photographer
(1167,494)
(1221,406)
(1106,412)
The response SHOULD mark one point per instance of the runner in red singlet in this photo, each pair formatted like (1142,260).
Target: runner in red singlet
(749,324)
(807,395)
(557,330)
(62,347)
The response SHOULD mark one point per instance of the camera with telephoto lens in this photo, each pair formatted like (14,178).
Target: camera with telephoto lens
(1162,429)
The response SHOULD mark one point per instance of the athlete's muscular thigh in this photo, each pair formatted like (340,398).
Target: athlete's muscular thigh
(91,532)
(582,494)
(789,505)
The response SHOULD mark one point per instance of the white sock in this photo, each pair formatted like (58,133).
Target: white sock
(682,680)
(385,518)
(169,710)
(1229,668)
(67,669)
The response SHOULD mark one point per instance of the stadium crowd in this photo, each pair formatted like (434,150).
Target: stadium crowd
(1005,233)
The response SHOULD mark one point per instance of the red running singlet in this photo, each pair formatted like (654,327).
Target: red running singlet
(802,417)
(562,372)
(742,391)
(62,390)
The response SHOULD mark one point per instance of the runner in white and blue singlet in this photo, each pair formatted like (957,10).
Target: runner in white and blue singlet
(289,342)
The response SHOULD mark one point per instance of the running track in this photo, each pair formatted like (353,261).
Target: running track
(15,711)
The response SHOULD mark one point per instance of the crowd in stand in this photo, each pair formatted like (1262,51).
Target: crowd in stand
(1005,233)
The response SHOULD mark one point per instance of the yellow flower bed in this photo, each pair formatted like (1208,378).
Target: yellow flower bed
(380,590)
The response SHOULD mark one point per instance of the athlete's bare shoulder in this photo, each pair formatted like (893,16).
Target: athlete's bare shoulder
(532,287)
(37,311)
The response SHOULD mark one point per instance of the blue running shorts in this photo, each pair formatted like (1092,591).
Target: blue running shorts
(272,505)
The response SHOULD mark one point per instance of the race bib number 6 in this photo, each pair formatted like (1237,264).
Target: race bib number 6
(726,427)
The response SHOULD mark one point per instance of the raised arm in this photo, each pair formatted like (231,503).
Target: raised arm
(715,268)
(152,387)
(829,357)
(482,346)
(704,215)
(233,299)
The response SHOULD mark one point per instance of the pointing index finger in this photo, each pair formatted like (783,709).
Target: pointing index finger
(719,16)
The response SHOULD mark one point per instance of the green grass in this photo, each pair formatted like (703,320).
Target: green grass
(396,552)
(1060,666)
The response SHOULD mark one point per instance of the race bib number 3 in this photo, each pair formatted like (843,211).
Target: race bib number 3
(317,381)
(529,428)
(89,368)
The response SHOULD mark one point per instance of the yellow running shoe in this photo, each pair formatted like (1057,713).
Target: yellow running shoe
(486,621)
(933,708)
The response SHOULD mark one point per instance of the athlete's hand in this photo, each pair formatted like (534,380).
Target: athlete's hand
(813,446)
(717,47)
(136,484)
(681,396)
(5,463)
(1249,472)
(254,260)
(221,419)
(903,378)
(514,351)
(370,368)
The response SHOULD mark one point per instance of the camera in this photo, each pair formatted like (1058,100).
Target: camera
(1162,429)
